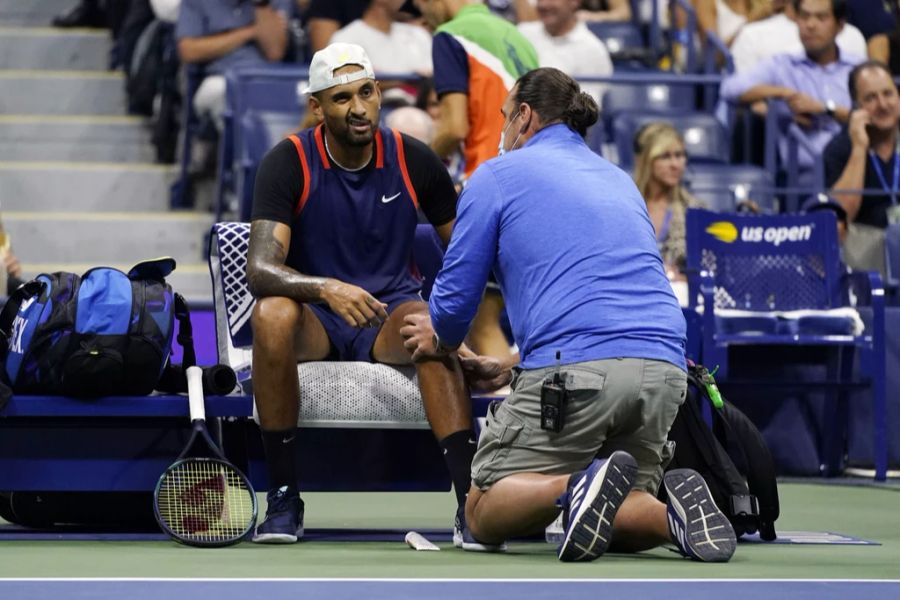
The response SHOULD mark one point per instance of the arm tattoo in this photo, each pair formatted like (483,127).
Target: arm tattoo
(267,275)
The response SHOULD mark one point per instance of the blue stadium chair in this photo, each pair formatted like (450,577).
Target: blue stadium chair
(726,188)
(778,281)
(262,93)
(625,43)
(706,140)
(892,261)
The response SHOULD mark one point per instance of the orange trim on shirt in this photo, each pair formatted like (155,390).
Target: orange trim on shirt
(320,144)
(401,158)
(379,150)
(304,195)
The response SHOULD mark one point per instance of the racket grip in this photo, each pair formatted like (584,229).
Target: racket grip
(195,393)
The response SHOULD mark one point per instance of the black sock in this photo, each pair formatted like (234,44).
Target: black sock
(280,461)
(459,448)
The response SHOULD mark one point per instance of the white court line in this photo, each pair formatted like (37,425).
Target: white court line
(428,580)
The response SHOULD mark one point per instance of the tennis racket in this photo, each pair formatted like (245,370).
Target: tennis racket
(203,500)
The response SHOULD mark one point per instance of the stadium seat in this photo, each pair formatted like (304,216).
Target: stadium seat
(624,42)
(724,188)
(892,261)
(706,140)
(270,95)
(778,280)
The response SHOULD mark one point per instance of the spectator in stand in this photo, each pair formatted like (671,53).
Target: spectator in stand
(221,37)
(477,58)
(605,10)
(427,99)
(726,17)
(813,84)
(564,42)
(864,157)
(779,34)
(325,17)
(392,46)
(412,121)
(658,174)
(877,20)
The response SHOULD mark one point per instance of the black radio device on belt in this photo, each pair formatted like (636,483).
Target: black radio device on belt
(554,397)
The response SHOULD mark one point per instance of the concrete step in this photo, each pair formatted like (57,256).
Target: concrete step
(25,92)
(75,138)
(103,238)
(190,279)
(50,48)
(84,187)
(32,12)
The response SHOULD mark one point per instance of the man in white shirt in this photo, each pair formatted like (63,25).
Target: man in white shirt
(564,42)
(392,47)
(779,34)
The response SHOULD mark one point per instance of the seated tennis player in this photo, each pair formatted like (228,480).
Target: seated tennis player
(333,223)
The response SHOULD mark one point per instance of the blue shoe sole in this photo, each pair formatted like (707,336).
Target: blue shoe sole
(708,535)
(590,530)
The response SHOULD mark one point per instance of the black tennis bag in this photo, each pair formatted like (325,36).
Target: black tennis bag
(732,457)
(103,333)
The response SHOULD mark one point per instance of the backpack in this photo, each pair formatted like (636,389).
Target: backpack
(731,455)
(103,333)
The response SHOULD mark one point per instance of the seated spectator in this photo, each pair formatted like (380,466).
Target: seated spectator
(605,10)
(563,42)
(325,17)
(393,47)
(779,34)
(877,20)
(658,174)
(864,154)
(826,202)
(726,17)
(813,84)
(224,36)
(413,122)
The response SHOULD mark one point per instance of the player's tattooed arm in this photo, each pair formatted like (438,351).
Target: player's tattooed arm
(267,274)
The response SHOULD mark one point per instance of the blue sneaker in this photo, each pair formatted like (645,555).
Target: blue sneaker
(700,530)
(284,518)
(463,538)
(590,505)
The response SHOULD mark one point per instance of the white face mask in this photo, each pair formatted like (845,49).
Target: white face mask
(501,150)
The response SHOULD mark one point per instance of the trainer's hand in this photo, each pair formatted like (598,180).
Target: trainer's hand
(484,373)
(418,335)
(353,304)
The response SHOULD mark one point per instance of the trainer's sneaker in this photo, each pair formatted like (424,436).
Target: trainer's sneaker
(284,518)
(463,538)
(590,505)
(700,530)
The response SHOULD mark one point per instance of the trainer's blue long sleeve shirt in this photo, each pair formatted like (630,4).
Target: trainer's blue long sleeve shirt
(573,249)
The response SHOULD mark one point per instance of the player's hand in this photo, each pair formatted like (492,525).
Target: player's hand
(856,127)
(484,373)
(418,336)
(355,305)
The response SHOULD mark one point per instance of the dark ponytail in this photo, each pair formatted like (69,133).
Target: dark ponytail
(556,97)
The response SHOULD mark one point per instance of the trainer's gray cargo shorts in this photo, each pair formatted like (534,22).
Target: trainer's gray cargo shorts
(615,404)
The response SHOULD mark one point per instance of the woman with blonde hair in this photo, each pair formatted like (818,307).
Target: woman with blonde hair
(658,173)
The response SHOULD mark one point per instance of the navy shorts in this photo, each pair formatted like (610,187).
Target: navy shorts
(355,343)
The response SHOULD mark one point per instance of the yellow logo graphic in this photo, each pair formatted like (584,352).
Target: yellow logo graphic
(723,231)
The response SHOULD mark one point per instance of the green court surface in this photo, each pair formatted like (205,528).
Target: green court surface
(870,513)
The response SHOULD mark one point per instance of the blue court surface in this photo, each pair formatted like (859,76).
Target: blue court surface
(449,589)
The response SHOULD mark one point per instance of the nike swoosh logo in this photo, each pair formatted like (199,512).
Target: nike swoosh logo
(385,199)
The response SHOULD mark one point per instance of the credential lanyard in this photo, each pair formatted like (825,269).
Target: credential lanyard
(876,165)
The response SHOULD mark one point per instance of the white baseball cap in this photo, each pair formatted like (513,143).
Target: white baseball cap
(331,58)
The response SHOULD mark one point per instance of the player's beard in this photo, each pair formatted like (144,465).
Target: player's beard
(354,138)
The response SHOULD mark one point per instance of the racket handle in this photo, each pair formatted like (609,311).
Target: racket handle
(195,393)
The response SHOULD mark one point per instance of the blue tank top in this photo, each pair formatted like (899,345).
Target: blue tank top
(356,226)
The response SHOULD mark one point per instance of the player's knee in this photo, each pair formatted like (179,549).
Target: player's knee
(275,315)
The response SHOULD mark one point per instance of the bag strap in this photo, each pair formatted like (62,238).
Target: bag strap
(185,332)
(23,292)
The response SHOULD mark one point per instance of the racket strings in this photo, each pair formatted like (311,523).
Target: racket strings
(205,501)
